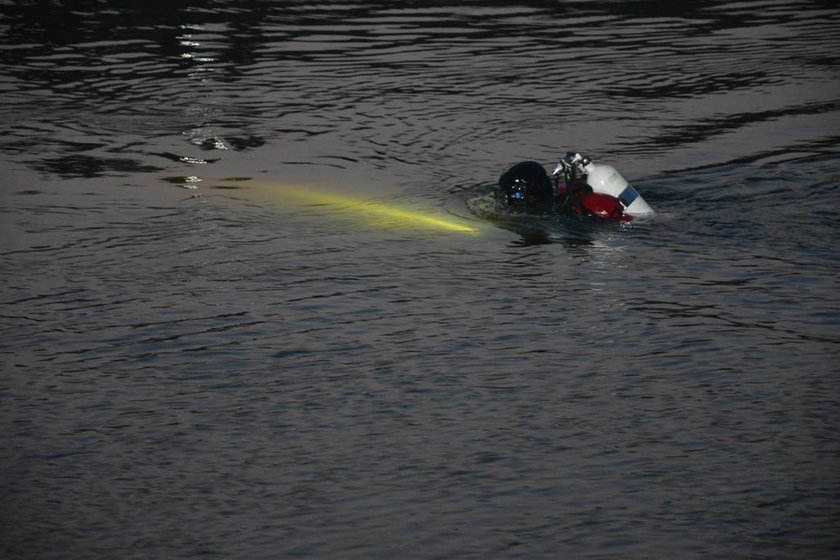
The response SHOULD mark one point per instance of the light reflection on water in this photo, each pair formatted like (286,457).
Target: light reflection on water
(193,363)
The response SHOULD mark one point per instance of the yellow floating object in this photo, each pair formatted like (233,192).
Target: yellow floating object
(379,212)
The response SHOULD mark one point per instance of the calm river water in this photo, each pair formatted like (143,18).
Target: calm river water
(246,312)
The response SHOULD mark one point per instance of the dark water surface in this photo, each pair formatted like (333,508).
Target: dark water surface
(202,356)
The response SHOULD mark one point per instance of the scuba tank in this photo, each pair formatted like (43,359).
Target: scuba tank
(604,179)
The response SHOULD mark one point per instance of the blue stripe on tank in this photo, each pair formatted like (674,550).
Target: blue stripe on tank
(627,196)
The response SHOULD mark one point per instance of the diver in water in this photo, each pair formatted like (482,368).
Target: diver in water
(577,187)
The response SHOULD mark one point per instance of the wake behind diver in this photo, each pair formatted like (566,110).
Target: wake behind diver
(577,187)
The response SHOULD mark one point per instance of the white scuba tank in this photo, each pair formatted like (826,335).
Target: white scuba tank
(605,179)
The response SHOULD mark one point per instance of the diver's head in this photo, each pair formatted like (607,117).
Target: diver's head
(526,187)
